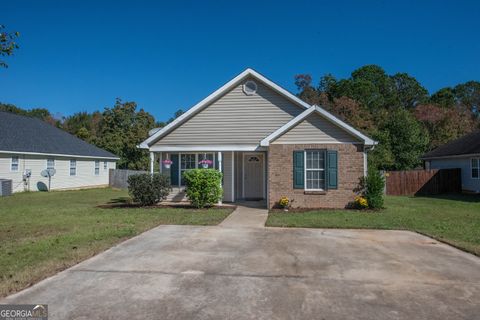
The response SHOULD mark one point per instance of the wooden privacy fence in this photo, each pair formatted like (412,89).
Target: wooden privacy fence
(423,182)
(117,178)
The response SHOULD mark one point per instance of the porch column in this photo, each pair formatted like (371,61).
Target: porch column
(160,159)
(219,157)
(233,176)
(152,159)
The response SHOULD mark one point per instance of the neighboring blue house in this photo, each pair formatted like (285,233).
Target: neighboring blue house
(463,153)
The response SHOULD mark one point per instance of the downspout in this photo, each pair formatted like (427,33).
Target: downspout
(365,158)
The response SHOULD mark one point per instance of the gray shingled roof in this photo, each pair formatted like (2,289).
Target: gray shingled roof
(25,134)
(469,144)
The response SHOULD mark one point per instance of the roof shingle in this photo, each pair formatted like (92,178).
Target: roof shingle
(25,134)
(468,144)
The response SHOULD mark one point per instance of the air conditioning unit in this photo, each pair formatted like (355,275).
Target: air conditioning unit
(5,187)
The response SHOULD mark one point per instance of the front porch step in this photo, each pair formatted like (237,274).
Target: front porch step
(177,195)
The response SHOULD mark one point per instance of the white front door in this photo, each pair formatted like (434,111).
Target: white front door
(253,176)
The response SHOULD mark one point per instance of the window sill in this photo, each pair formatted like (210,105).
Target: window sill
(313,192)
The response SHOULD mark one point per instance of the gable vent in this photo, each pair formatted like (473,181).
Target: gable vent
(250,88)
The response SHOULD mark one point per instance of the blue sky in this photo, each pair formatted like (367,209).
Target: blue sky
(81,55)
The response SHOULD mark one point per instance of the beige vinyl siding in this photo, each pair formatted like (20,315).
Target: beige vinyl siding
(85,173)
(315,129)
(235,118)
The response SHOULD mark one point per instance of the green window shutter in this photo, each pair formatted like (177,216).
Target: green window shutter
(298,170)
(332,169)
(174,170)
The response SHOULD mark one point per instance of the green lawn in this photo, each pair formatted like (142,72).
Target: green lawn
(454,219)
(43,233)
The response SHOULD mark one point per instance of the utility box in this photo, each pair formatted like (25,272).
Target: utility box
(5,187)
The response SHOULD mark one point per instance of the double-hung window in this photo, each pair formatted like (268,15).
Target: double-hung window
(314,170)
(73,167)
(475,168)
(97,167)
(105,165)
(50,163)
(14,164)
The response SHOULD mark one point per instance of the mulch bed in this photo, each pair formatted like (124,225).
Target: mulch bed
(301,210)
(156,206)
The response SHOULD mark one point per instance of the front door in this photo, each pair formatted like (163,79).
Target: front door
(253,187)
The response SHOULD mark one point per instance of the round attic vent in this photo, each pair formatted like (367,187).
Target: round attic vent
(250,87)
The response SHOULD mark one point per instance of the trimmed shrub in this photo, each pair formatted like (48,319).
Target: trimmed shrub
(371,189)
(375,184)
(203,187)
(148,189)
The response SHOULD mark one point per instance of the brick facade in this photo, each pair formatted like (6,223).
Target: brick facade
(280,176)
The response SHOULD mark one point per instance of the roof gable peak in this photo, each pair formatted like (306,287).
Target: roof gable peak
(248,72)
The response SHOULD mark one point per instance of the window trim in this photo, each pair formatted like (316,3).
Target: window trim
(196,163)
(74,167)
(105,165)
(477,167)
(11,163)
(97,173)
(305,185)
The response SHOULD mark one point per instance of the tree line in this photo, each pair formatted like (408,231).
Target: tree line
(397,111)
(118,129)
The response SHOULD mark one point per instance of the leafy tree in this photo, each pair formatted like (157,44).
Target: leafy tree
(84,125)
(408,139)
(40,113)
(349,111)
(444,125)
(327,84)
(381,85)
(7,44)
(381,157)
(177,114)
(372,101)
(409,91)
(468,94)
(307,92)
(122,128)
(444,97)
(12,108)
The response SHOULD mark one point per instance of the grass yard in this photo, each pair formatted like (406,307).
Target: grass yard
(43,233)
(454,219)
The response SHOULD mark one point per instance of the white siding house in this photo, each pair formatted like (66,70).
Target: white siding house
(71,173)
(28,146)
(463,153)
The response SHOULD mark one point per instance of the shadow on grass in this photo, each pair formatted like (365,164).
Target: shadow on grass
(463,197)
(120,200)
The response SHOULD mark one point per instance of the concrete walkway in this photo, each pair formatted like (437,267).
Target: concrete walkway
(249,214)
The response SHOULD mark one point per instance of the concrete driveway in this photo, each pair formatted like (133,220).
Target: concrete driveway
(186,272)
